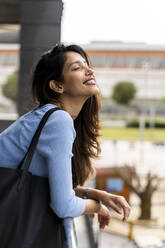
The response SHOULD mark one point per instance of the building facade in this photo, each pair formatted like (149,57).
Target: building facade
(139,63)
(142,64)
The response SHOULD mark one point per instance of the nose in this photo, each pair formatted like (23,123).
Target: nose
(90,70)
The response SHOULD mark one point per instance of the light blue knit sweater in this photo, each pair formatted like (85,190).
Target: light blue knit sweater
(51,159)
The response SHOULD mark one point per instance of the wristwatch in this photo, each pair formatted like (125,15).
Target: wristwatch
(86,193)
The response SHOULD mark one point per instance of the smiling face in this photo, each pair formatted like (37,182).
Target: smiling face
(79,79)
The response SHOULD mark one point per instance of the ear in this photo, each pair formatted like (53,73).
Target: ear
(56,86)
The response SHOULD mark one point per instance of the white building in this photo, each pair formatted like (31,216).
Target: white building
(140,63)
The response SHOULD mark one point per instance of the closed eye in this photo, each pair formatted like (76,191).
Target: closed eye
(75,69)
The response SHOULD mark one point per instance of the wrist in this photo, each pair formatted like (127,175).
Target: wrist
(98,206)
(86,196)
(92,206)
(85,193)
(101,195)
(90,193)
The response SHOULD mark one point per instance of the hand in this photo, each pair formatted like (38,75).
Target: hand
(117,203)
(103,217)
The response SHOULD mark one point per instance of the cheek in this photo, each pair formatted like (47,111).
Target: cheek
(70,84)
(74,80)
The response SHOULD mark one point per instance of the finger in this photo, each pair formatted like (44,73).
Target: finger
(103,224)
(108,221)
(101,221)
(104,220)
(115,207)
(126,208)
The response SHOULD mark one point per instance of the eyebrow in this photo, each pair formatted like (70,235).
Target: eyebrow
(76,62)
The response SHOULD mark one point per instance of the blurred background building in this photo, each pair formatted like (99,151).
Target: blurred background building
(139,63)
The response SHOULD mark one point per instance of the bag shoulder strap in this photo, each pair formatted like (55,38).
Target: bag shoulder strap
(30,152)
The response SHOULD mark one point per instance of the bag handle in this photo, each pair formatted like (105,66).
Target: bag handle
(29,154)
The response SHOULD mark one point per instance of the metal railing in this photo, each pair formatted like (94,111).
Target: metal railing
(92,237)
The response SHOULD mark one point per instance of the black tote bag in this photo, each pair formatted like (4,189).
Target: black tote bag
(26,220)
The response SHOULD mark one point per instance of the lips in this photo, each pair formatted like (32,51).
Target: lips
(90,81)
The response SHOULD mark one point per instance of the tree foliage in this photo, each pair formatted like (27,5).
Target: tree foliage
(10,88)
(123,92)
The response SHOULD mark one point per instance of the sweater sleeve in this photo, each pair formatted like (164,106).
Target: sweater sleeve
(55,146)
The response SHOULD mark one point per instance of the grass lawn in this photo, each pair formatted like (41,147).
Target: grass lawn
(132,134)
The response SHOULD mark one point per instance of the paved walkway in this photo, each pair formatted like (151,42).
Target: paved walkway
(112,236)
(105,239)
(109,240)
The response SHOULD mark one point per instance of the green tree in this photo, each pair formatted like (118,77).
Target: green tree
(123,92)
(10,88)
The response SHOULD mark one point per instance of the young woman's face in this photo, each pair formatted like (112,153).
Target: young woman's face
(79,79)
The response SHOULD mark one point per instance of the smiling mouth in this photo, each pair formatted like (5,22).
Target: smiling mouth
(90,82)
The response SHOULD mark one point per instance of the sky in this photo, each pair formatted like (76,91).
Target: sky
(84,21)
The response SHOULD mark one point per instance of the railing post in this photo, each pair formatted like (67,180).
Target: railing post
(131,226)
(91,235)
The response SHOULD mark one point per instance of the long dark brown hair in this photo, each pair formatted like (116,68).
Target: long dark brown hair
(86,145)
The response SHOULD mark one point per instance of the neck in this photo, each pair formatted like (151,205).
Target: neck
(73,106)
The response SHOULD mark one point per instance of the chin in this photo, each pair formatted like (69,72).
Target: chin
(96,91)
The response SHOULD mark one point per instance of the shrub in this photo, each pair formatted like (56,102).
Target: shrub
(10,88)
(123,92)
(135,123)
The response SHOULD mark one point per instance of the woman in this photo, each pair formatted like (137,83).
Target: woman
(63,77)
